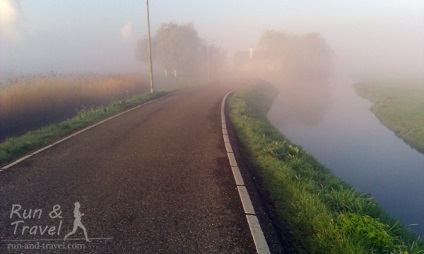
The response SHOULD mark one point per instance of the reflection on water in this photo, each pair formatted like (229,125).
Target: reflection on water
(351,141)
(302,100)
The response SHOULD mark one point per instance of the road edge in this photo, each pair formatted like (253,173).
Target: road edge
(21,159)
(256,231)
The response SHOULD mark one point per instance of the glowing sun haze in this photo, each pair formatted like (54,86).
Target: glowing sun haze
(101,35)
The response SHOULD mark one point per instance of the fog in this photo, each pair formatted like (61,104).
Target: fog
(358,39)
(301,46)
(368,37)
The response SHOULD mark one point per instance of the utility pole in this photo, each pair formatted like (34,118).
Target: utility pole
(208,61)
(208,58)
(150,48)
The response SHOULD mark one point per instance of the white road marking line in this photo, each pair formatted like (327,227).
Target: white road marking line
(254,226)
(245,200)
(237,176)
(228,147)
(79,132)
(232,159)
(224,126)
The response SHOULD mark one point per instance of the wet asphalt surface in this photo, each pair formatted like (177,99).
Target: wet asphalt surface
(154,180)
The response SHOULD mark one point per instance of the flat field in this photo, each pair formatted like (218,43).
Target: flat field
(400,106)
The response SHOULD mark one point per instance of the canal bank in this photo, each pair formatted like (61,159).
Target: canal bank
(352,142)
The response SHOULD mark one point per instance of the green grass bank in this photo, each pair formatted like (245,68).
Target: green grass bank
(399,105)
(324,214)
(15,147)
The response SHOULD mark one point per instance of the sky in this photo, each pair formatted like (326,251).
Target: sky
(68,36)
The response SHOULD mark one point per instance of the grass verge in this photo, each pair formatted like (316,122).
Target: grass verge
(16,147)
(399,106)
(324,214)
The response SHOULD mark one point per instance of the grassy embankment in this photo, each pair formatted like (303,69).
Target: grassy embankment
(324,214)
(15,147)
(24,103)
(399,106)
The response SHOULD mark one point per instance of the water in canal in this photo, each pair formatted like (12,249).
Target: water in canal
(336,125)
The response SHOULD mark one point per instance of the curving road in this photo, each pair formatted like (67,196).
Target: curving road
(154,180)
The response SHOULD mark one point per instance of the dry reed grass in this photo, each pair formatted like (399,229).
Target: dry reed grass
(29,102)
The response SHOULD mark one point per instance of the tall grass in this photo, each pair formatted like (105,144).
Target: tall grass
(15,147)
(324,214)
(27,102)
(400,106)
(41,100)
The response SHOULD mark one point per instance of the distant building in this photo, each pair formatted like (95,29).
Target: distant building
(260,60)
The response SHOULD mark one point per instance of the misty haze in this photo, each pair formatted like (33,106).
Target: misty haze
(212,126)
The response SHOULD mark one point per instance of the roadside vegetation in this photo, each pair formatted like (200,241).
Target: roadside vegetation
(36,110)
(180,51)
(46,108)
(324,214)
(32,101)
(399,106)
(15,147)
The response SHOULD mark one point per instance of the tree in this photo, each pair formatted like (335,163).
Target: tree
(303,68)
(211,60)
(297,53)
(176,47)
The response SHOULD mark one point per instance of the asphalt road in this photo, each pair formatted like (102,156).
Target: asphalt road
(154,180)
